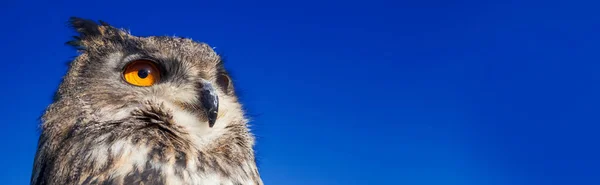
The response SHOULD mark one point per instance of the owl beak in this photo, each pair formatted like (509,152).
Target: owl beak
(210,102)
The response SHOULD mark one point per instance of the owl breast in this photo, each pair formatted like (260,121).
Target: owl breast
(128,162)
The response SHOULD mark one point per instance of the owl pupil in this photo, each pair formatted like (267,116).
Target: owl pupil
(143,73)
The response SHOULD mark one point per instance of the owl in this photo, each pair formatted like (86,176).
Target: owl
(143,110)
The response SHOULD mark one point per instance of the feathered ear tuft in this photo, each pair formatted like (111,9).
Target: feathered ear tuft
(89,30)
(86,27)
(76,42)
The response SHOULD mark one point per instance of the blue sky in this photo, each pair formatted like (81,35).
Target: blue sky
(358,92)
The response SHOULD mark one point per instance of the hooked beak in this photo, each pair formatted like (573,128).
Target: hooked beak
(210,102)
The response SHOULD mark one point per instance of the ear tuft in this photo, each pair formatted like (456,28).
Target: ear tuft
(92,33)
(85,27)
(103,23)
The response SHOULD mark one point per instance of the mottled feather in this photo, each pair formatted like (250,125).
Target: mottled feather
(102,130)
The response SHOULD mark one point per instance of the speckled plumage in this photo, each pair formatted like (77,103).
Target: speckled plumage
(102,130)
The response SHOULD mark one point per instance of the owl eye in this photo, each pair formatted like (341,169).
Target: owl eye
(141,73)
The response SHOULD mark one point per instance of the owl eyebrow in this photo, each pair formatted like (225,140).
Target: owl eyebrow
(132,57)
(135,56)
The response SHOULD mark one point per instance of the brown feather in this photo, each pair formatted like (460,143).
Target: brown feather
(101,130)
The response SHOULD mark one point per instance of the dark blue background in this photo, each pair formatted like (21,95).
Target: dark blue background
(358,92)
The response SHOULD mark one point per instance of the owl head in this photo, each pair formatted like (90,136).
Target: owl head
(153,109)
(117,75)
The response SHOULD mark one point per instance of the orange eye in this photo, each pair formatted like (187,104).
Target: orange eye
(141,73)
